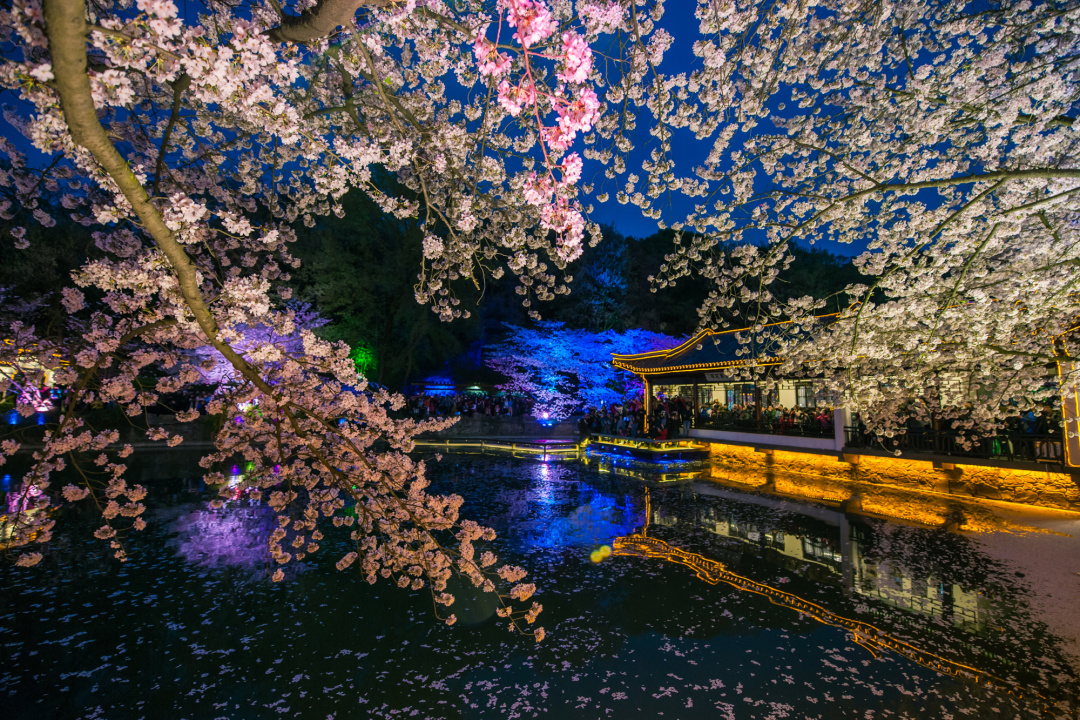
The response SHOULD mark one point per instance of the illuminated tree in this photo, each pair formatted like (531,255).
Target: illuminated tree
(567,371)
(195,148)
(218,371)
(937,135)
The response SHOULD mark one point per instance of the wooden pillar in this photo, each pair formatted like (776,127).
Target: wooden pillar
(693,423)
(1070,416)
(757,403)
(648,402)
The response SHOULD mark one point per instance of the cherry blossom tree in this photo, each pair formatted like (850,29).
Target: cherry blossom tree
(218,371)
(566,371)
(196,147)
(938,139)
(938,136)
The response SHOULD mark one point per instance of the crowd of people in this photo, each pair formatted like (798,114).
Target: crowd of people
(422,406)
(774,418)
(668,418)
(674,417)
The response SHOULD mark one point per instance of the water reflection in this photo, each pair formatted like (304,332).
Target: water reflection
(868,636)
(962,615)
(556,511)
(233,536)
(180,630)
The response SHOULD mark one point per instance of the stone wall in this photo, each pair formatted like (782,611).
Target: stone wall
(747,466)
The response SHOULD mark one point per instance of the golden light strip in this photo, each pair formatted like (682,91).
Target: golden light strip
(699,366)
(864,634)
(651,445)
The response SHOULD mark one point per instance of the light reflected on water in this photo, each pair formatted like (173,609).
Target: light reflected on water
(233,536)
(191,627)
(868,636)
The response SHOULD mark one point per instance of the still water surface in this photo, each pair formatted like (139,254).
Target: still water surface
(192,628)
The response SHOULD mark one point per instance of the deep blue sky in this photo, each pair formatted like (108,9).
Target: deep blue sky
(687,151)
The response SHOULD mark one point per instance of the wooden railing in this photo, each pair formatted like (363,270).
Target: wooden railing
(808,428)
(1012,447)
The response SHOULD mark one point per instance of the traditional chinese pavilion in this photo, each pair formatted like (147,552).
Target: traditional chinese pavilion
(731,407)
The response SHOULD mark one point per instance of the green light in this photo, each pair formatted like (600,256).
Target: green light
(363,358)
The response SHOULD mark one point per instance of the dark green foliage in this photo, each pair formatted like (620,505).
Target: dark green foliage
(31,277)
(818,273)
(611,289)
(359,272)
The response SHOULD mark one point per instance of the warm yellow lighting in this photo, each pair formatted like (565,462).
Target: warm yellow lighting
(626,362)
(9,522)
(652,445)
(827,477)
(1070,414)
(866,635)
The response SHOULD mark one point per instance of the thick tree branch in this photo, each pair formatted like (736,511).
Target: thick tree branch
(66,28)
(319,21)
(999,175)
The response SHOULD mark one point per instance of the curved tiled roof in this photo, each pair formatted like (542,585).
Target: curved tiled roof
(708,350)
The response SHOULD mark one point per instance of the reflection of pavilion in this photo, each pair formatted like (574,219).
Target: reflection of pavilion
(865,634)
(826,538)
(822,538)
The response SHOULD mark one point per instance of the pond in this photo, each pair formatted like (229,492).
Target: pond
(716,602)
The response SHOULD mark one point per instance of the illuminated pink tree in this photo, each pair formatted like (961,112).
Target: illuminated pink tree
(196,147)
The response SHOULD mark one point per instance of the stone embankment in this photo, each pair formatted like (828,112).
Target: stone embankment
(1048,486)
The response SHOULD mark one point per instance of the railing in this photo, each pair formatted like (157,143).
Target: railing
(1013,447)
(522,447)
(808,428)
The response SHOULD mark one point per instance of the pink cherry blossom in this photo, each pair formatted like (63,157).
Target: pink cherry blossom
(577,59)
(532,19)
(489,61)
